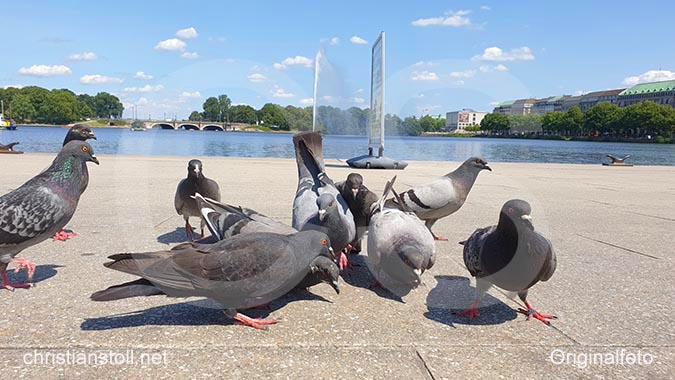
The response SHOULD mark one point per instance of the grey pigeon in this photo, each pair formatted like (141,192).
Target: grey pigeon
(225,221)
(511,256)
(400,247)
(79,132)
(41,207)
(313,182)
(445,195)
(184,200)
(244,271)
(360,201)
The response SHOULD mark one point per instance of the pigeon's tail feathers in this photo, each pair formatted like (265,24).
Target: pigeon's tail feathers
(134,263)
(379,205)
(136,288)
(463,242)
(208,208)
(400,203)
(309,154)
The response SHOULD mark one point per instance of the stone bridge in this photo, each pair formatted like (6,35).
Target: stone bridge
(195,125)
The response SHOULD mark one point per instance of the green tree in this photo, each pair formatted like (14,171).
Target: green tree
(22,108)
(525,123)
(195,116)
(495,122)
(553,122)
(38,97)
(574,120)
(224,104)
(428,124)
(411,126)
(472,128)
(211,109)
(272,115)
(648,118)
(60,107)
(602,117)
(107,106)
(299,118)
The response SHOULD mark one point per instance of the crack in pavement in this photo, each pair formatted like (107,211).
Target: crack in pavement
(425,365)
(620,247)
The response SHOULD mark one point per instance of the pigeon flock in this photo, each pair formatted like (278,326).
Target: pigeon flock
(249,259)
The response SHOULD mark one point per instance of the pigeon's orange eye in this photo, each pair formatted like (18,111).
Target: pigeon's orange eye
(407,262)
(478,161)
(85,149)
(510,210)
(330,204)
(324,241)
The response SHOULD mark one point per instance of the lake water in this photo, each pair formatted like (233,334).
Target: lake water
(242,144)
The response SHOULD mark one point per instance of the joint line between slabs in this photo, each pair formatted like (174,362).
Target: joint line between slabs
(620,247)
(425,365)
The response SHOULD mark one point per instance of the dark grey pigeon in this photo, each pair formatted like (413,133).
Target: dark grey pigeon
(312,183)
(445,195)
(42,206)
(184,200)
(360,201)
(225,221)
(511,256)
(400,247)
(244,271)
(79,132)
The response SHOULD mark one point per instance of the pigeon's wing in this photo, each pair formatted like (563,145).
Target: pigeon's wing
(210,189)
(473,247)
(430,197)
(542,248)
(178,201)
(30,211)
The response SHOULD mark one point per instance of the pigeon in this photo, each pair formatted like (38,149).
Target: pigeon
(445,195)
(360,201)
(40,207)
(184,202)
(313,182)
(225,221)
(79,132)
(244,271)
(511,256)
(400,247)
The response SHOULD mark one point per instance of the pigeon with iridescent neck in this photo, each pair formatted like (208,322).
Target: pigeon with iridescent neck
(41,207)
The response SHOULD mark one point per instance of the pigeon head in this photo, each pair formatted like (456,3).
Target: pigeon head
(195,169)
(79,150)
(518,211)
(327,205)
(354,183)
(81,132)
(326,270)
(414,259)
(477,164)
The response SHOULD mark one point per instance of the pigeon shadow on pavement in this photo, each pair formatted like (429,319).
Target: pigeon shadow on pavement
(176,236)
(42,272)
(358,275)
(454,294)
(199,312)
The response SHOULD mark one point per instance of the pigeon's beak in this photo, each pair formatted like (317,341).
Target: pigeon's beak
(91,135)
(322,214)
(335,286)
(487,167)
(332,253)
(528,221)
(526,217)
(354,192)
(418,273)
(94,159)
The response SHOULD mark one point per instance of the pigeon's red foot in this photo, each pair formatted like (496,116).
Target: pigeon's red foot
(64,235)
(29,266)
(13,285)
(258,323)
(440,238)
(188,231)
(532,313)
(343,261)
(471,313)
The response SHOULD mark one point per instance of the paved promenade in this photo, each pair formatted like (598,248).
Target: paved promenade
(613,290)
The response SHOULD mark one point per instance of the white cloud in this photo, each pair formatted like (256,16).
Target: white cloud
(359,91)
(358,40)
(142,75)
(307,101)
(298,60)
(455,19)
(579,92)
(256,78)
(13,85)
(425,63)
(463,74)
(142,101)
(189,55)
(459,82)
(187,33)
(190,95)
(357,100)
(334,41)
(487,68)
(99,79)
(172,44)
(146,88)
(281,93)
(45,70)
(424,76)
(650,76)
(493,103)
(86,56)
(485,8)
(496,54)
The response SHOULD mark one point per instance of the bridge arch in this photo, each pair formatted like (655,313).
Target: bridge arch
(213,127)
(190,127)
(162,126)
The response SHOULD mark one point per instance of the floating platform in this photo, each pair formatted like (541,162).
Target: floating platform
(374,162)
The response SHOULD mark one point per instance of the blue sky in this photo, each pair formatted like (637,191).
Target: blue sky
(168,57)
